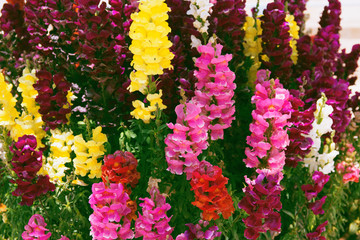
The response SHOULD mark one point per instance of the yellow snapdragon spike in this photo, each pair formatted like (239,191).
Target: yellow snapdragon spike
(149,31)
(139,82)
(155,100)
(60,149)
(88,152)
(8,112)
(142,112)
(294,34)
(252,45)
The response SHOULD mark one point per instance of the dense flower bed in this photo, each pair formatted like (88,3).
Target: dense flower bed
(183,120)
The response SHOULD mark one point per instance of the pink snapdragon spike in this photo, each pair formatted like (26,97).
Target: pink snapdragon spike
(63,238)
(36,229)
(350,171)
(188,140)
(268,141)
(272,112)
(153,224)
(201,230)
(109,205)
(215,89)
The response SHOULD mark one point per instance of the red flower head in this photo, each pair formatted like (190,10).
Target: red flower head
(211,195)
(120,167)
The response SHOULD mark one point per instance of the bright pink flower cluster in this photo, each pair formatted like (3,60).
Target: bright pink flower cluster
(36,229)
(187,141)
(311,191)
(268,140)
(350,170)
(153,224)
(109,205)
(215,89)
(202,230)
(26,163)
(262,198)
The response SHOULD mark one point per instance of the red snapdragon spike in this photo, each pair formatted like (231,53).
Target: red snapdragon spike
(211,195)
(120,167)
(26,163)
(52,98)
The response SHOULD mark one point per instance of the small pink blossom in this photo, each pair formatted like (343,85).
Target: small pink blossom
(36,229)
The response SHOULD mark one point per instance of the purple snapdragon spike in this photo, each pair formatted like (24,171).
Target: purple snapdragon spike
(301,120)
(262,198)
(52,98)
(297,9)
(182,75)
(347,64)
(276,42)
(226,21)
(312,191)
(317,234)
(12,22)
(26,163)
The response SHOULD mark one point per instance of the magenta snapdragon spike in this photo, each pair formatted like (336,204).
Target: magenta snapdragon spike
(153,223)
(301,120)
(317,234)
(348,63)
(275,42)
(268,140)
(12,22)
(26,163)
(52,98)
(201,230)
(182,75)
(109,205)
(330,15)
(262,203)
(320,54)
(297,9)
(226,21)
(188,140)
(215,89)
(35,229)
(311,191)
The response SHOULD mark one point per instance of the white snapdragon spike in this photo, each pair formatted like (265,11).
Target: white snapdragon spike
(195,42)
(315,160)
(2,151)
(201,10)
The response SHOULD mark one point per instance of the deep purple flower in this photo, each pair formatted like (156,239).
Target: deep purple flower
(317,234)
(275,42)
(316,206)
(52,98)
(26,162)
